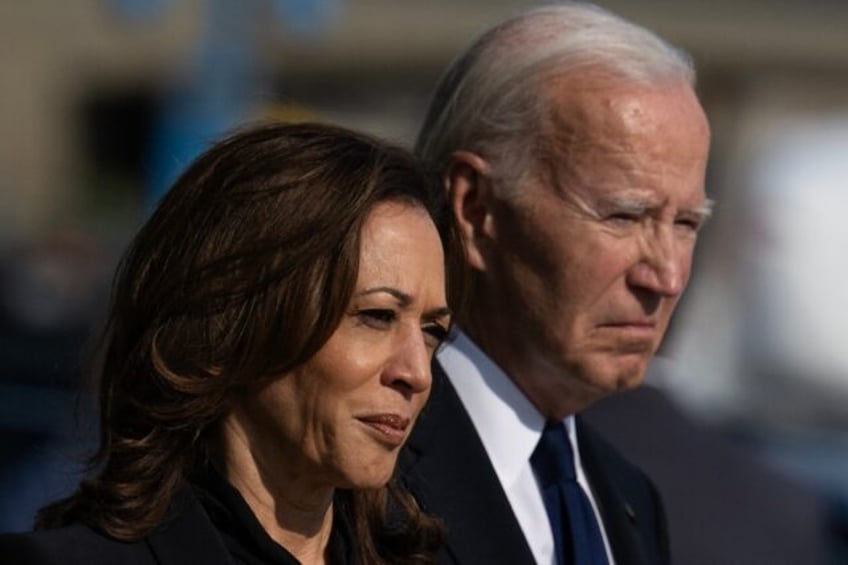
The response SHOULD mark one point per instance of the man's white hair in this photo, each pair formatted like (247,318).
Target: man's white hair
(491,102)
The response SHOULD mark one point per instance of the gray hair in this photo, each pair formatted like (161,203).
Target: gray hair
(489,101)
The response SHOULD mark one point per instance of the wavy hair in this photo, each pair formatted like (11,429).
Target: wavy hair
(243,272)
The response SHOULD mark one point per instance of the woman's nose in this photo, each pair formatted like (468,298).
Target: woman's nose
(409,367)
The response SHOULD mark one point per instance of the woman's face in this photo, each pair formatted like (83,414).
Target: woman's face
(340,419)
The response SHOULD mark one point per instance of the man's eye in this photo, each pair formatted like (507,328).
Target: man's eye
(377,317)
(689,224)
(623,218)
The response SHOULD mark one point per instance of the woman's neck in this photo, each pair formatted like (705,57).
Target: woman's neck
(302,528)
(296,512)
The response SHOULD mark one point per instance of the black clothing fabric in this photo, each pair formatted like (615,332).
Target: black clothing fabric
(446,467)
(210,523)
(723,504)
(244,536)
(188,537)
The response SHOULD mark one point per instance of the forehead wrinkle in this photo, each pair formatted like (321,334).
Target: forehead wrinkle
(577,127)
(589,138)
(600,117)
(574,150)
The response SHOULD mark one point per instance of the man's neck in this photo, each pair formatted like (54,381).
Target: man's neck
(553,394)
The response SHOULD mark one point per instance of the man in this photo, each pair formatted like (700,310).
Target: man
(574,150)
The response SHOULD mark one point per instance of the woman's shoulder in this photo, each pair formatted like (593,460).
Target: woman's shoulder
(73,544)
(187,536)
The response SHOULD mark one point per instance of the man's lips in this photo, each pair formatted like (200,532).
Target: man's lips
(389,428)
(638,329)
(646,323)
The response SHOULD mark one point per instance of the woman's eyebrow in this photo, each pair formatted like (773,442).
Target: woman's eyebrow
(436,313)
(403,298)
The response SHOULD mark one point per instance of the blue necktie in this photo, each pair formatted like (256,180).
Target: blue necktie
(577,536)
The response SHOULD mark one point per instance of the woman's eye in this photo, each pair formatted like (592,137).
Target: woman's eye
(377,317)
(435,334)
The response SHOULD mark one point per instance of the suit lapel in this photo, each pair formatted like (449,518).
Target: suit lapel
(627,520)
(190,537)
(445,465)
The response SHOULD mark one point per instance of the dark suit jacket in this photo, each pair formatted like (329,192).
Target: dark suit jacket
(189,538)
(724,506)
(446,466)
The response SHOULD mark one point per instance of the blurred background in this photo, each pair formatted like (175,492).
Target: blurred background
(103,102)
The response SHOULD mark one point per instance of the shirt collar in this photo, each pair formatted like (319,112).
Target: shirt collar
(508,424)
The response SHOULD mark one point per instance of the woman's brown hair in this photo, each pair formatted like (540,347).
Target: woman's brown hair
(242,273)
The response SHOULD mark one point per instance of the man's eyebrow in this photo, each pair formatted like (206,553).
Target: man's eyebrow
(635,203)
(631,202)
(705,210)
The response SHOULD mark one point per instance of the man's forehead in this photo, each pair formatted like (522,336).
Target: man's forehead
(596,96)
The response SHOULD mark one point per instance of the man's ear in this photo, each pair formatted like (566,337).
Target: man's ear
(469,189)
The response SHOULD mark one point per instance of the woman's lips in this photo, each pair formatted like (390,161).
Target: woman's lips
(389,428)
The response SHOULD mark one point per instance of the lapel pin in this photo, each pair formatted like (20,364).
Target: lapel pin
(630,512)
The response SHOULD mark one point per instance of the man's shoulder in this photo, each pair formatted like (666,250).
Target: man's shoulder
(609,467)
(595,448)
(72,544)
(630,504)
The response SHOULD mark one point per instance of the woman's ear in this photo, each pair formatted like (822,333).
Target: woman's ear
(469,189)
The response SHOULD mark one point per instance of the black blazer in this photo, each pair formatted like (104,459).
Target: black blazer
(446,466)
(723,504)
(189,538)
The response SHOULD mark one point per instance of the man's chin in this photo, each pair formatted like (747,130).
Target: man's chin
(618,374)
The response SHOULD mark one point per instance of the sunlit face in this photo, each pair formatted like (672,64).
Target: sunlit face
(590,258)
(340,419)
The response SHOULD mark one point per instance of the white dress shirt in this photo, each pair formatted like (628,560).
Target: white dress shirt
(510,427)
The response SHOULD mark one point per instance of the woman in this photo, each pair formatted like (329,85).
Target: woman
(267,352)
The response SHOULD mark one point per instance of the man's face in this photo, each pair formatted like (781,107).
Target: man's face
(588,260)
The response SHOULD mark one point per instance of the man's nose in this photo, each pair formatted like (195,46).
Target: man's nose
(662,267)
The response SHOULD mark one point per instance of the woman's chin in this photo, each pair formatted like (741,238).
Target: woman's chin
(370,476)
